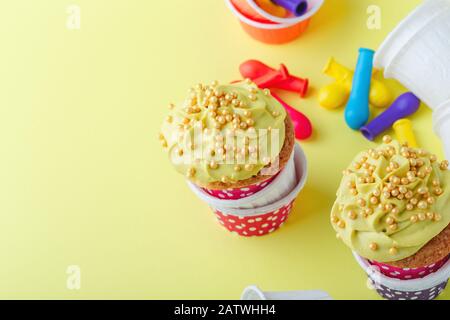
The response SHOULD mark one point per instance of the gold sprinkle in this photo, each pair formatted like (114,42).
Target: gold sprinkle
(422,216)
(388,207)
(393,251)
(334,218)
(373,200)
(437,217)
(341,224)
(444,165)
(390,220)
(405,181)
(191,172)
(213,165)
(171,106)
(430,215)
(224,179)
(169,119)
(414,219)
(387,139)
(422,205)
(373,246)
(352,215)
(438,191)
(248,167)
(252,97)
(237,168)
(422,190)
(362,202)
(393,227)
(403,190)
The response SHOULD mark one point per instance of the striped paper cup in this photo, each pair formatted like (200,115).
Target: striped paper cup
(426,288)
(408,273)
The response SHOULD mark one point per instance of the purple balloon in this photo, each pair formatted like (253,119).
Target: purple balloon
(297,7)
(404,106)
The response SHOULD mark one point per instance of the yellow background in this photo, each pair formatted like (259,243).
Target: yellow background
(83,180)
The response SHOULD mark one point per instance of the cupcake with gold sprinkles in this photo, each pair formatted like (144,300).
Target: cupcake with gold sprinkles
(231,140)
(393,210)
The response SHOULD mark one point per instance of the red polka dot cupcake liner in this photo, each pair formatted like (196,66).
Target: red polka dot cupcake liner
(257,225)
(239,193)
(426,287)
(408,273)
(265,211)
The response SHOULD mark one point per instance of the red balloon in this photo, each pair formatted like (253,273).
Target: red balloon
(302,125)
(267,77)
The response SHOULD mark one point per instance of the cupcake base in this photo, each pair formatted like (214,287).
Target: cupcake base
(426,288)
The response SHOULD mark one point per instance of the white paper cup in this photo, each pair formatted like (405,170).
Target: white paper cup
(313,7)
(427,288)
(441,122)
(280,187)
(254,293)
(417,52)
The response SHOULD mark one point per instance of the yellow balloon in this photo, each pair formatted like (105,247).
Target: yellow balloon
(380,95)
(333,96)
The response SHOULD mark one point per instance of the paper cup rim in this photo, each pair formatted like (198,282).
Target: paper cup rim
(391,47)
(237,203)
(231,206)
(432,280)
(312,11)
(256,24)
(252,290)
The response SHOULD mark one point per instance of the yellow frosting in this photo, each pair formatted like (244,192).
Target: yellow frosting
(224,133)
(375,214)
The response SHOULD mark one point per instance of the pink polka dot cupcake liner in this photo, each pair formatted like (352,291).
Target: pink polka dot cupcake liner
(258,225)
(408,273)
(265,211)
(426,287)
(240,193)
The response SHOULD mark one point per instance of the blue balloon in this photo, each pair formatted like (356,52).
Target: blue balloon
(357,111)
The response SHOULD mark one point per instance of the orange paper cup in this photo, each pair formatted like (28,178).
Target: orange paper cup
(269,29)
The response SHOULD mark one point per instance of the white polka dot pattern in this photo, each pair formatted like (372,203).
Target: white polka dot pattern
(255,225)
(239,193)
